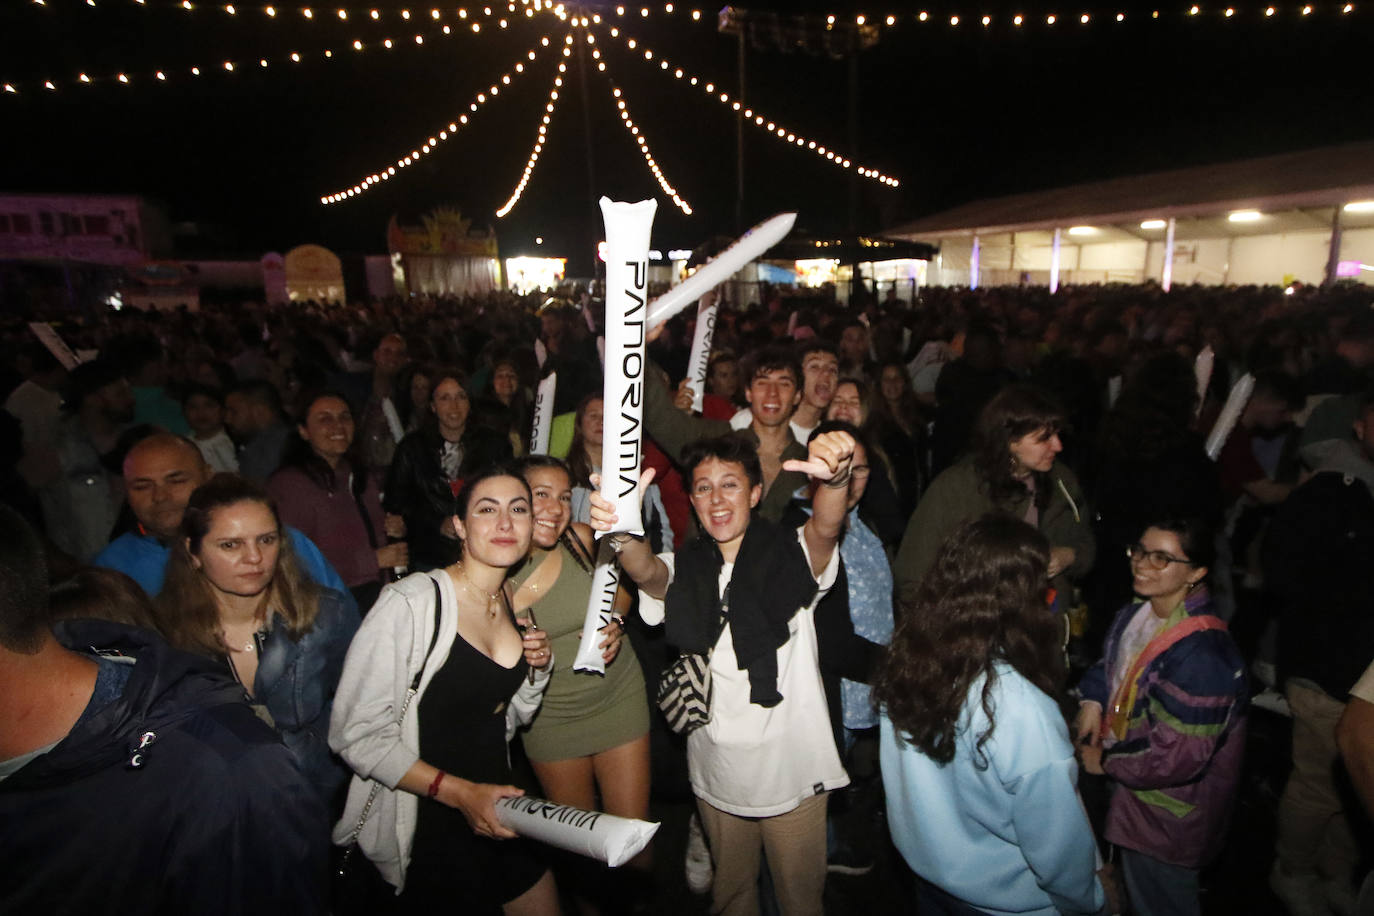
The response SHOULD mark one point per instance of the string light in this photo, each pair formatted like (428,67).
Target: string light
(430,144)
(628,121)
(788,136)
(645,12)
(161,75)
(540,139)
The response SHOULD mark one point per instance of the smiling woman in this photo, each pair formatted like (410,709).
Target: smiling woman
(743,595)
(591,737)
(442,759)
(1163,715)
(431,465)
(234,593)
(324,490)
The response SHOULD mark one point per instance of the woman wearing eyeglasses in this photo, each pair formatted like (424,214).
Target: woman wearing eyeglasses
(1163,715)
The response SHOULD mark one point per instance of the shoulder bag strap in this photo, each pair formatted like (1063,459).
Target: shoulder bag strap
(1124,699)
(405,705)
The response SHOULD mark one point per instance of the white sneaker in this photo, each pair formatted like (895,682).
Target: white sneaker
(1302,895)
(698,867)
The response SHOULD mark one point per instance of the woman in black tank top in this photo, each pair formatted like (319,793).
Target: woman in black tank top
(461,856)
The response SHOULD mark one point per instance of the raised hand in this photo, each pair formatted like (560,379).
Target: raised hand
(828,458)
(603,515)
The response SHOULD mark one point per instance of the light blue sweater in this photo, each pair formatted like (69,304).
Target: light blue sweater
(1011,836)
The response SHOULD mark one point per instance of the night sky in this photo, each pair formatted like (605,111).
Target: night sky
(956,113)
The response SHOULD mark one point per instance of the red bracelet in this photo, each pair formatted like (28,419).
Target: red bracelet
(434,786)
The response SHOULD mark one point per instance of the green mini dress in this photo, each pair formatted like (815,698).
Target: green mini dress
(583,713)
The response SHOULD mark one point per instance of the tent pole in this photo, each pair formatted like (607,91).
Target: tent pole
(973,265)
(1333,256)
(593,212)
(1167,279)
(1054,263)
(739,140)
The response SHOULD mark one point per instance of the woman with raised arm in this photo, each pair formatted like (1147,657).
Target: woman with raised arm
(434,686)
(745,591)
(976,759)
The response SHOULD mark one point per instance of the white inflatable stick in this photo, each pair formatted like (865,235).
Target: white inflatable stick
(720,268)
(1202,369)
(543,415)
(627,293)
(701,352)
(600,607)
(604,837)
(1230,415)
(48,336)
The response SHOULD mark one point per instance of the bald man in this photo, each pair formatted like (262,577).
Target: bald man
(160,474)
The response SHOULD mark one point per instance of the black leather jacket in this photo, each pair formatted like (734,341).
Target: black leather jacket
(417,490)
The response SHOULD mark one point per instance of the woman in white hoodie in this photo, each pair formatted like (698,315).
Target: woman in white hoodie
(434,685)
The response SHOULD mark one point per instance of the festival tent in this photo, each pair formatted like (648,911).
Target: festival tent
(1306,216)
(443,255)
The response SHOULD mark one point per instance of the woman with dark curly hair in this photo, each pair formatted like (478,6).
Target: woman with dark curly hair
(976,759)
(1011,467)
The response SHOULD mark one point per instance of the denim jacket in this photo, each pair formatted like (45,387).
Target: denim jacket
(296,682)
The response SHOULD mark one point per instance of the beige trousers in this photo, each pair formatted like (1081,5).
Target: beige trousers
(795,845)
(1314,835)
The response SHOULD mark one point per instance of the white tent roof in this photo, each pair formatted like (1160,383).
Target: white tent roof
(1294,191)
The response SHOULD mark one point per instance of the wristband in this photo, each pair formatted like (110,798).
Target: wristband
(618,541)
(434,786)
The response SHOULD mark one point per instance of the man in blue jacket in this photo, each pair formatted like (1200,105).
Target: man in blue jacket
(133,778)
(160,474)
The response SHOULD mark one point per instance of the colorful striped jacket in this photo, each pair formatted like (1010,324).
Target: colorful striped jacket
(1178,766)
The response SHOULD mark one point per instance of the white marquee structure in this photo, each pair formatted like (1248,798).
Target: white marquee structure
(1306,216)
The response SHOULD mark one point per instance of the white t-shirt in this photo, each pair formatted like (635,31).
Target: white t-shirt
(754,761)
(744,418)
(219,452)
(38,411)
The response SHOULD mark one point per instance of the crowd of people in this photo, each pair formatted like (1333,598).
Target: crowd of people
(289,604)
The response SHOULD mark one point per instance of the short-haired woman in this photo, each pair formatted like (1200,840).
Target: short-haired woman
(745,591)
(1163,715)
